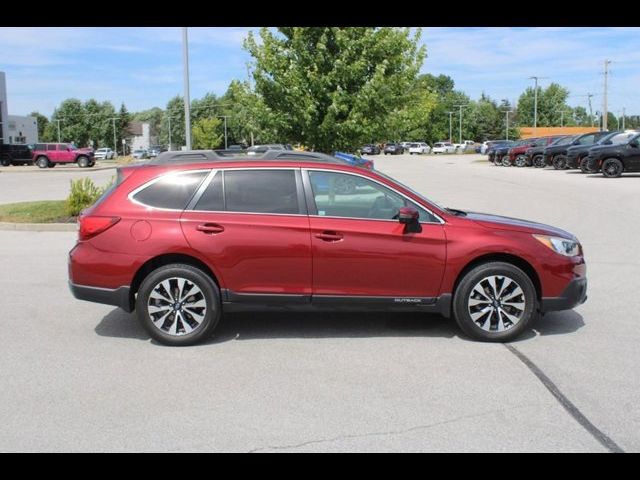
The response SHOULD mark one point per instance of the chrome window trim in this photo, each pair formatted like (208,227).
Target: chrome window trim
(160,177)
(307,170)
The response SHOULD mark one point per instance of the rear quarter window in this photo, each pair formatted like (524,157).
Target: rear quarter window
(172,191)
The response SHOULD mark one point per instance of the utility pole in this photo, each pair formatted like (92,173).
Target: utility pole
(187,101)
(58,122)
(535,100)
(507,112)
(604,110)
(460,107)
(589,95)
(225,132)
(562,112)
(623,118)
(115,141)
(169,119)
(450,124)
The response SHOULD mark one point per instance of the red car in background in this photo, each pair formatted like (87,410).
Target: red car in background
(518,152)
(191,235)
(48,155)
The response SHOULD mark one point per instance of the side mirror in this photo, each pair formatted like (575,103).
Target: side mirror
(409,217)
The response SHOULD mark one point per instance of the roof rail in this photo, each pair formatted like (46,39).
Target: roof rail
(192,156)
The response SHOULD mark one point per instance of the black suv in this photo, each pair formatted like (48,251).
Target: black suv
(618,155)
(393,149)
(556,153)
(534,154)
(577,154)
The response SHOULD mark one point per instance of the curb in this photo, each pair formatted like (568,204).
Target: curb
(39,227)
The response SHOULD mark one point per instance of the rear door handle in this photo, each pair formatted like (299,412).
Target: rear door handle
(329,236)
(210,228)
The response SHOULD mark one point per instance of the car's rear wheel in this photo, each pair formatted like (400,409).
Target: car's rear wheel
(521,161)
(506,161)
(5,161)
(559,162)
(42,162)
(612,168)
(584,165)
(494,302)
(178,305)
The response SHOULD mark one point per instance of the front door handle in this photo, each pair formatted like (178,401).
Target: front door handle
(210,228)
(329,236)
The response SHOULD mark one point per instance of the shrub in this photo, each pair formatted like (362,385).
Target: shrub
(84,193)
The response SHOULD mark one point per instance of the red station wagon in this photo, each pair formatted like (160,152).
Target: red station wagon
(194,234)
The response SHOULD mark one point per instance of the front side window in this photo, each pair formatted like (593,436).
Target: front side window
(351,196)
(171,191)
(261,191)
(587,139)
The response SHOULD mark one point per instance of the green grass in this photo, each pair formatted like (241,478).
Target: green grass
(49,211)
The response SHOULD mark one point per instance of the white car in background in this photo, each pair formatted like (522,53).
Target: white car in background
(419,148)
(443,147)
(104,154)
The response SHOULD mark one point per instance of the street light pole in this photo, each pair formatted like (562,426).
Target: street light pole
(450,125)
(507,112)
(535,101)
(115,141)
(169,119)
(58,121)
(187,108)
(460,107)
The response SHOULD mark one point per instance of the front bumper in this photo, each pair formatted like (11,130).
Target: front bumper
(575,294)
(120,297)
(573,162)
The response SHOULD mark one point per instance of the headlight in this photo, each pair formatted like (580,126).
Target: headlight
(563,246)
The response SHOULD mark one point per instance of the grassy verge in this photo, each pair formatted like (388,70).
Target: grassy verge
(49,211)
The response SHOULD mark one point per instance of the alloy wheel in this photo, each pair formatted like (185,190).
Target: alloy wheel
(177,306)
(496,303)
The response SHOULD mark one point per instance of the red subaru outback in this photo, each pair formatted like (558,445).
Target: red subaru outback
(194,234)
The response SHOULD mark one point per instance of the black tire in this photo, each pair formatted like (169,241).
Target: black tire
(612,168)
(559,162)
(83,162)
(5,161)
(505,161)
(42,162)
(584,165)
(461,300)
(210,293)
(538,161)
(51,165)
(521,161)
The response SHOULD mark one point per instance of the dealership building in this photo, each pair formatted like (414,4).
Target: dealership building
(15,129)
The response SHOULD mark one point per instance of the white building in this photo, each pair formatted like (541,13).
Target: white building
(14,128)
(140,137)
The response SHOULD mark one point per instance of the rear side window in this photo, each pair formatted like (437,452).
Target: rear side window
(171,191)
(261,191)
(51,147)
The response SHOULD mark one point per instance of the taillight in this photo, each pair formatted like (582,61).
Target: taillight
(368,164)
(92,225)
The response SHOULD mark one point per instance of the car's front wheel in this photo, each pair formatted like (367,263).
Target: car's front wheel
(494,302)
(559,162)
(612,168)
(506,162)
(584,165)
(42,162)
(538,161)
(83,162)
(178,305)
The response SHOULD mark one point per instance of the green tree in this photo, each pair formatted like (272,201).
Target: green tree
(206,134)
(122,126)
(334,87)
(174,117)
(551,101)
(42,124)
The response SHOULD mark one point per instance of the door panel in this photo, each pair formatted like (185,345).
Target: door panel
(254,253)
(375,258)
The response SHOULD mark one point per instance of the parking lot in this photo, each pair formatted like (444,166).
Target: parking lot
(78,376)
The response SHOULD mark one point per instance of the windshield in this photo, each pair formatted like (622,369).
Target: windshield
(622,137)
(566,140)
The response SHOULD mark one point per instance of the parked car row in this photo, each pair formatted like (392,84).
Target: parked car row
(612,153)
(416,148)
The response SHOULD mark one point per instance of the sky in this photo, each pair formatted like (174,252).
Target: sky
(142,67)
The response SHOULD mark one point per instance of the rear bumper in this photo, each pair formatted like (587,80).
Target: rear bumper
(575,294)
(120,297)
